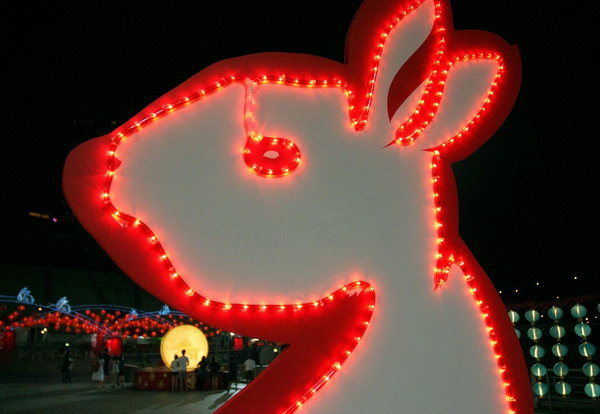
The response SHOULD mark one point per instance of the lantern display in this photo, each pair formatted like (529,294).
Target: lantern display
(184,337)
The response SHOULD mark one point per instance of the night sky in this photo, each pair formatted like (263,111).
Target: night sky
(72,71)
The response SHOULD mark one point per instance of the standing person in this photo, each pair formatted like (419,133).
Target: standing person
(113,371)
(249,369)
(183,364)
(175,373)
(97,371)
(233,371)
(106,359)
(65,366)
(121,366)
(214,367)
(201,372)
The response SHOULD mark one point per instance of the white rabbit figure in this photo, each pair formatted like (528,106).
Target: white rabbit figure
(349,207)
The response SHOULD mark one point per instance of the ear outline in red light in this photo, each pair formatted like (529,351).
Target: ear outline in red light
(339,319)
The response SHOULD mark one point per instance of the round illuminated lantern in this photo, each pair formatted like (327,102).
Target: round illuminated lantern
(560,369)
(538,370)
(590,369)
(114,346)
(186,337)
(557,331)
(555,313)
(559,350)
(563,388)
(534,333)
(537,351)
(587,350)
(514,316)
(540,389)
(579,311)
(583,329)
(592,390)
(532,315)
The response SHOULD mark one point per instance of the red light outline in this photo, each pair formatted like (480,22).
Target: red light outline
(451,250)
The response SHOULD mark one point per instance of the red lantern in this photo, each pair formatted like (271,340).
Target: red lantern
(238,343)
(114,346)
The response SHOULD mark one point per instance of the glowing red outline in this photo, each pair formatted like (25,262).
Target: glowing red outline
(82,181)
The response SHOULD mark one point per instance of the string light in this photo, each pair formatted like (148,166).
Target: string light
(273,157)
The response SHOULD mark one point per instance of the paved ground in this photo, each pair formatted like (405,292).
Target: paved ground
(36,398)
(80,398)
(36,389)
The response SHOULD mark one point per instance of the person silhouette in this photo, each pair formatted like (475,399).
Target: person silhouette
(183,364)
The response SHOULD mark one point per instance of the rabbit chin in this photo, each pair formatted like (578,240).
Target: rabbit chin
(352,210)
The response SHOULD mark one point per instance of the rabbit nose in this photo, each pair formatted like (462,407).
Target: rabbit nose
(271,157)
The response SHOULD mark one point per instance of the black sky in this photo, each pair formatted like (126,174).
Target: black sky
(72,71)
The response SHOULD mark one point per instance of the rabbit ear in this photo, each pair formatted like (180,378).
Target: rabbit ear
(469,94)
(377,50)
(468,90)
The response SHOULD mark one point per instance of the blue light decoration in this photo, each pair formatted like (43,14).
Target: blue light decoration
(63,305)
(25,296)
(83,315)
(132,314)
(539,388)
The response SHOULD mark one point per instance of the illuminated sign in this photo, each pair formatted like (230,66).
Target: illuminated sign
(309,202)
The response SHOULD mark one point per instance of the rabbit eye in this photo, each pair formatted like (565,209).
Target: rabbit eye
(271,157)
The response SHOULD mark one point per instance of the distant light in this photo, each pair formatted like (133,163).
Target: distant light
(275,350)
(231,333)
(537,283)
(67,344)
(516,290)
(575,278)
(500,292)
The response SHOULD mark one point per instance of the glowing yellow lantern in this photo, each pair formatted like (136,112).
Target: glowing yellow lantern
(186,337)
